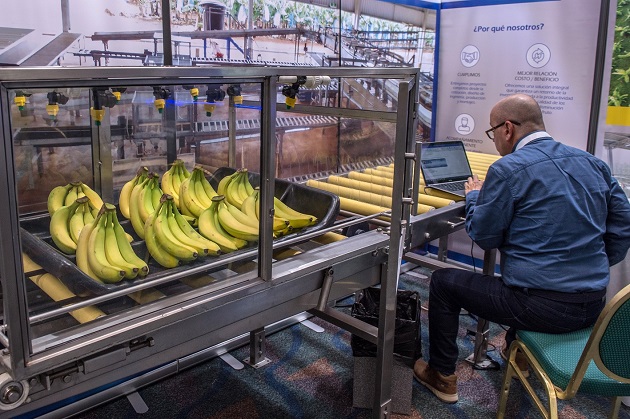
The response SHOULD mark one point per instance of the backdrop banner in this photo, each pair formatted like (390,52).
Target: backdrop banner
(487,52)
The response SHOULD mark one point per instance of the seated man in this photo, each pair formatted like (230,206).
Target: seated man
(559,220)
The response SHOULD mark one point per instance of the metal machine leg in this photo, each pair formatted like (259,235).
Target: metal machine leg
(257,357)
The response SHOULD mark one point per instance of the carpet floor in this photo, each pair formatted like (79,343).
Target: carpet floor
(311,377)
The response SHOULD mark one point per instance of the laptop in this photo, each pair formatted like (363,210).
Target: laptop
(445,166)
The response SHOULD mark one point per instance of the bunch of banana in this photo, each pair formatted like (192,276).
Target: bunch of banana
(235,187)
(236,222)
(66,223)
(173,178)
(65,195)
(104,252)
(144,199)
(251,208)
(210,227)
(295,218)
(125,192)
(171,240)
(195,193)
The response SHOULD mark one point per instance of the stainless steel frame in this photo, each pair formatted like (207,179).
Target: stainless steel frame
(160,335)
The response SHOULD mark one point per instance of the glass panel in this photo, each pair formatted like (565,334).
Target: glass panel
(53,158)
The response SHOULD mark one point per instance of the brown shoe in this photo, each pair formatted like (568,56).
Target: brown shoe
(521,361)
(444,387)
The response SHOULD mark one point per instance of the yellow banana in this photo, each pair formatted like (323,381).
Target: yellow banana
(59,228)
(200,192)
(165,238)
(248,186)
(134,209)
(233,226)
(125,248)
(208,228)
(97,258)
(72,194)
(145,196)
(242,190)
(160,255)
(249,206)
(280,224)
(77,220)
(188,200)
(296,219)
(125,192)
(167,182)
(216,225)
(87,216)
(207,187)
(112,251)
(83,250)
(187,235)
(57,197)
(224,182)
(95,199)
(181,174)
(232,193)
(241,217)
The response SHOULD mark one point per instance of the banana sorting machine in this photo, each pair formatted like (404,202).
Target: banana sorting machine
(80,313)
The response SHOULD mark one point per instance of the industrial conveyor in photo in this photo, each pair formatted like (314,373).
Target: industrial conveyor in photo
(63,334)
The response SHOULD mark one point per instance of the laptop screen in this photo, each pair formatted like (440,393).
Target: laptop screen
(444,161)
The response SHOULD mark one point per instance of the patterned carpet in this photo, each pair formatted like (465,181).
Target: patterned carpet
(311,377)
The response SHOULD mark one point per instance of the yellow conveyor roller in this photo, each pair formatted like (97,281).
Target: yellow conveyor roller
(362,208)
(58,291)
(432,201)
(363,196)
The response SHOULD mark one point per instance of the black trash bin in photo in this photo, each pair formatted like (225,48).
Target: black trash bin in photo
(407,348)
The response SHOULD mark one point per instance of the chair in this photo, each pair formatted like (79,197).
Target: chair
(595,360)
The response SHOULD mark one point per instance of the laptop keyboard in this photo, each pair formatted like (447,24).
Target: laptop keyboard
(453,186)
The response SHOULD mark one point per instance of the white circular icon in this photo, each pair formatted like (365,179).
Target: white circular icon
(469,56)
(464,124)
(538,55)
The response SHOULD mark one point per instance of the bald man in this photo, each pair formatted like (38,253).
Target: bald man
(559,220)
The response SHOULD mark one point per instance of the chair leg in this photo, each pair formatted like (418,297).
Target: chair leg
(549,412)
(614,413)
(505,390)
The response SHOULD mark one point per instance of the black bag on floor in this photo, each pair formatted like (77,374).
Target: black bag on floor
(407,345)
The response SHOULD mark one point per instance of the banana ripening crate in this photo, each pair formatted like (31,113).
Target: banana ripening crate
(38,245)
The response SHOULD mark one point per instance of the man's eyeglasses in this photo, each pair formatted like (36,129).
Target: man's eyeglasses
(490,132)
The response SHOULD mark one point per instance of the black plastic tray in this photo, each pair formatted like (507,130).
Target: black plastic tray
(38,245)
(322,204)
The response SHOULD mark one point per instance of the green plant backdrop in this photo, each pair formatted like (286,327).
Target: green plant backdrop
(620,77)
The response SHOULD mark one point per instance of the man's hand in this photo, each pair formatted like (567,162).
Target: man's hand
(473,184)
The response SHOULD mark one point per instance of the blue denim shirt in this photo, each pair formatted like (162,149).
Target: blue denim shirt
(555,213)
